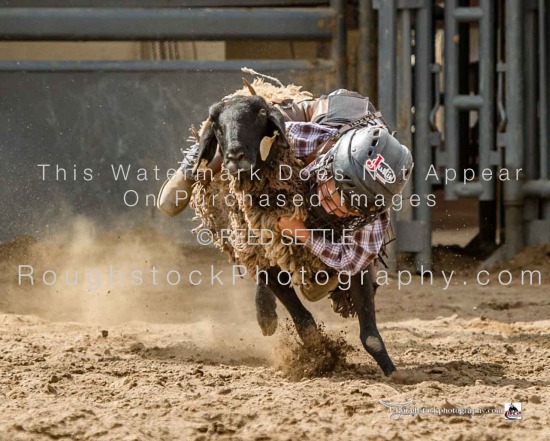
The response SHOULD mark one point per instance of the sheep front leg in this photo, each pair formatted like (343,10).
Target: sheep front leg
(362,295)
(266,314)
(302,318)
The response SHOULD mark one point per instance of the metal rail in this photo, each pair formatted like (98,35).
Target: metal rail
(422,144)
(168,23)
(157,3)
(367,52)
(339,42)
(387,73)
(163,66)
(513,194)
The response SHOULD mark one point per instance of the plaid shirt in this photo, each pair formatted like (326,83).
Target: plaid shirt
(306,136)
(354,253)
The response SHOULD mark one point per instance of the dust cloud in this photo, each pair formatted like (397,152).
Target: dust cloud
(150,362)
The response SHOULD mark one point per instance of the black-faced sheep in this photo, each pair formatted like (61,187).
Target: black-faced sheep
(250,134)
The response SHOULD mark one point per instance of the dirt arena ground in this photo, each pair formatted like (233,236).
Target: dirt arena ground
(160,362)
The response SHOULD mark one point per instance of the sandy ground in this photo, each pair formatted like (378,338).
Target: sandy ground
(189,362)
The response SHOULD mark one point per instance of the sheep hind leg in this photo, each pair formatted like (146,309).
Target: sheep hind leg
(266,314)
(302,318)
(362,295)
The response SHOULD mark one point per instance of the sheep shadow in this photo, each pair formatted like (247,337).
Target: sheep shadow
(457,372)
(189,353)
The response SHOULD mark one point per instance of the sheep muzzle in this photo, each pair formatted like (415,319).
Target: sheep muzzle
(236,159)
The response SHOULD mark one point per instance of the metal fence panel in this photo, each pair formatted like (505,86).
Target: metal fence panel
(95,119)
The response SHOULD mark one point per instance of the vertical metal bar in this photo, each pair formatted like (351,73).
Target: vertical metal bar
(387,31)
(487,91)
(530,72)
(487,220)
(464,40)
(422,147)
(451,90)
(404,92)
(339,43)
(403,108)
(387,82)
(543,92)
(513,197)
(503,117)
(544,22)
(368,41)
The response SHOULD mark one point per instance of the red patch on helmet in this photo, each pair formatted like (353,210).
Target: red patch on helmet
(380,170)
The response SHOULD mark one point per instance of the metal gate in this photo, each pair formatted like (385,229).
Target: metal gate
(509,94)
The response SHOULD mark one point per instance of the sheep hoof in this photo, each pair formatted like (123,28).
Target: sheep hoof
(268,325)
(266,313)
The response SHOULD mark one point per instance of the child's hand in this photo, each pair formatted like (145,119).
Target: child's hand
(293,227)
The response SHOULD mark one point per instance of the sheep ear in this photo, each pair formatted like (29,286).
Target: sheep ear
(208,145)
(277,122)
(266,143)
(208,142)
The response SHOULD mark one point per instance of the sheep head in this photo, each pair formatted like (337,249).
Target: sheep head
(239,126)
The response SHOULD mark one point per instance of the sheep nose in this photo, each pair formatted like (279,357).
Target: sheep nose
(235,155)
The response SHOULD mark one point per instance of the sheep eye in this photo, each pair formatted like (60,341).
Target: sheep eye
(262,112)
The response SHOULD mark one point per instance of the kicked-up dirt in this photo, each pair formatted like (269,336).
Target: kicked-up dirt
(121,361)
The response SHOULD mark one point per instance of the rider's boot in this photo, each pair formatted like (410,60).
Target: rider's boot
(175,193)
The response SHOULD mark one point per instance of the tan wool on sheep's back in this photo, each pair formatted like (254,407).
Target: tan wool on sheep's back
(275,94)
(259,243)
